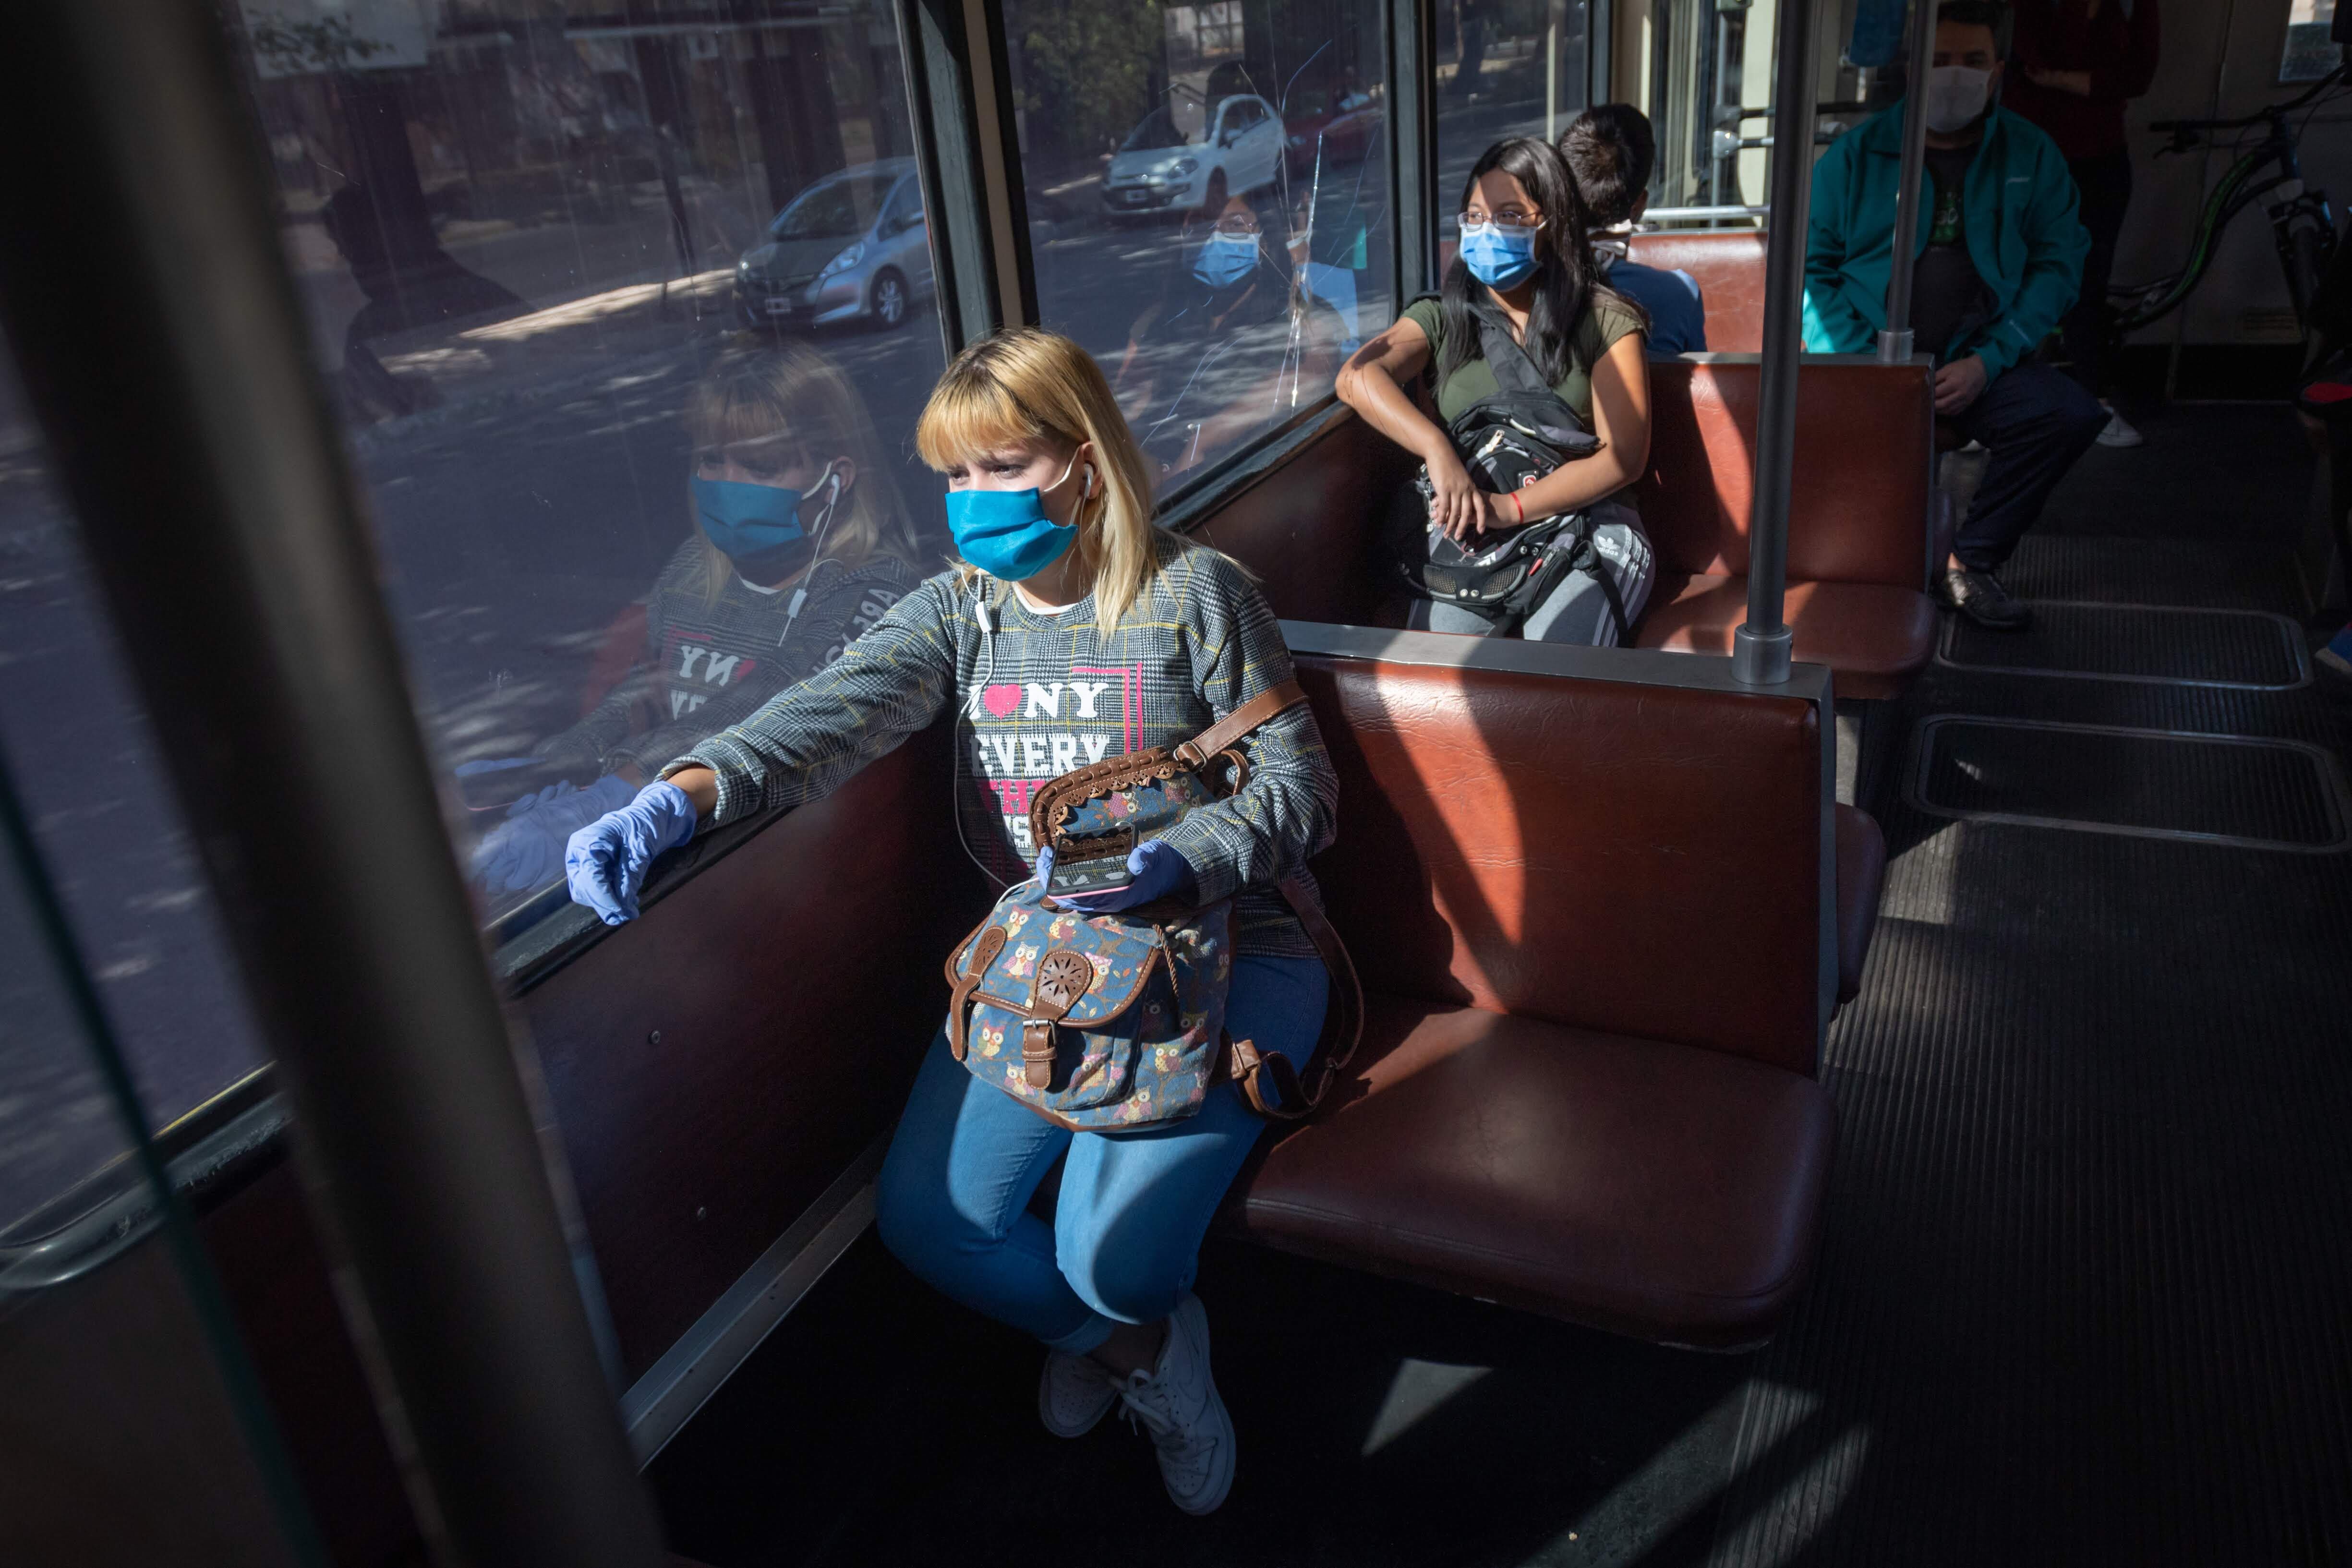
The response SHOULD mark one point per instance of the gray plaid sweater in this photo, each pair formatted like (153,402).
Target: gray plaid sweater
(1044,694)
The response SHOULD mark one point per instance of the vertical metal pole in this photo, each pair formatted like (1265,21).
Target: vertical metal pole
(1895,342)
(1759,650)
(206,469)
(1552,77)
(1413,144)
(1600,52)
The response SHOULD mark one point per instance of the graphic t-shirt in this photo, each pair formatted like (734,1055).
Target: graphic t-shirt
(1945,290)
(1044,694)
(709,661)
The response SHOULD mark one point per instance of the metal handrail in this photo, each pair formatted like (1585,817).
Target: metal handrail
(1700,215)
(130,1210)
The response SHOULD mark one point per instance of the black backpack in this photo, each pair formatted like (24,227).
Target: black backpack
(1508,441)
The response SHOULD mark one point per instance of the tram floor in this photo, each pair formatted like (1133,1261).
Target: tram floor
(2080,1296)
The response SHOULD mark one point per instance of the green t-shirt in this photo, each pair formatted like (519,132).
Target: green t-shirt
(1604,322)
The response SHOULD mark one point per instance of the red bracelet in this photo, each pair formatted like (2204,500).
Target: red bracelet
(1520,509)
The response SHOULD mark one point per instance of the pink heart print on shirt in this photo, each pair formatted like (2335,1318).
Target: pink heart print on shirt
(1001,700)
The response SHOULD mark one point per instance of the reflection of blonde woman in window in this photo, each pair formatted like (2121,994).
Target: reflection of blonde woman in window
(800,542)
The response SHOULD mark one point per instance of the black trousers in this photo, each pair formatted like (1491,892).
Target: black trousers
(2037,422)
(2105,184)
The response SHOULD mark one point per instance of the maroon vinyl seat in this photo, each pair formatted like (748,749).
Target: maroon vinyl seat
(1602,923)
(1861,510)
(1728,265)
(1876,642)
(1632,1184)
(1875,635)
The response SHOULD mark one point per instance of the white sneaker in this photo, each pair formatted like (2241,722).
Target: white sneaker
(1178,1404)
(1073,1393)
(2119,432)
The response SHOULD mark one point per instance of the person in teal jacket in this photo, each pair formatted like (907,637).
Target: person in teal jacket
(1998,259)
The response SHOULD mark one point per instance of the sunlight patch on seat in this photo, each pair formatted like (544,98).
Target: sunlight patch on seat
(1418,1388)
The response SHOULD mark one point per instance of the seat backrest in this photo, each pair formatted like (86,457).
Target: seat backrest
(1858,500)
(1728,265)
(1646,857)
(1310,527)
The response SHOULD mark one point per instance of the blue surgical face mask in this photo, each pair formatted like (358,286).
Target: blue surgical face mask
(1224,259)
(758,527)
(1497,256)
(1006,534)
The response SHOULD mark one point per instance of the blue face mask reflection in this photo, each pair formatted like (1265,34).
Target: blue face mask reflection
(1224,259)
(758,527)
(1006,534)
(1499,257)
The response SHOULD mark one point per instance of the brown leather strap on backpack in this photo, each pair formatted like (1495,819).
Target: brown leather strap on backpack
(979,951)
(1265,705)
(1343,1025)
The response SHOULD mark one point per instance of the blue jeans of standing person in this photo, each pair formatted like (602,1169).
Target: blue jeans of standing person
(953,1198)
(2036,421)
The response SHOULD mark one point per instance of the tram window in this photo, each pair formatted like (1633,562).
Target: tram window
(1208,186)
(2310,53)
(1504,68)
(122,862)
(629,320)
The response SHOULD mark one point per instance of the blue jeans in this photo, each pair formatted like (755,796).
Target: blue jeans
(2037,421)
(953,1199)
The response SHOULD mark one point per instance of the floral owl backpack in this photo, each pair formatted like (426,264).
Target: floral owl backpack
(1102,1022)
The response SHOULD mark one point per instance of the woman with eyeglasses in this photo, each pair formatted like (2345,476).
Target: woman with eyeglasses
(1524,265)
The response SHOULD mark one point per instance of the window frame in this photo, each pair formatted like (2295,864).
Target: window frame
(974,200)
(982,216)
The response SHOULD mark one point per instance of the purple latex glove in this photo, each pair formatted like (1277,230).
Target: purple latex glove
(1159,871)
(605,861)
(527,849)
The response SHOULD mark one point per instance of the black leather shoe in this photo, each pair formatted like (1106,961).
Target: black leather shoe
(1979,596)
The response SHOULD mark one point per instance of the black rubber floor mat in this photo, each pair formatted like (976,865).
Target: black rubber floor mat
(2242,648)
(2215,573)
(2274,795)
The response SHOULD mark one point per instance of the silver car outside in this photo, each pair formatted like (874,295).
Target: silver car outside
(852,246)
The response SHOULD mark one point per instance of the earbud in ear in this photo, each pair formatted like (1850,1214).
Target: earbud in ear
(1090,491)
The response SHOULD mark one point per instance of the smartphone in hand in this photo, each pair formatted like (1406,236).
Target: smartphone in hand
(1075,879)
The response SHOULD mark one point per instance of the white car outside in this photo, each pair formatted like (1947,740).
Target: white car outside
(1159,168)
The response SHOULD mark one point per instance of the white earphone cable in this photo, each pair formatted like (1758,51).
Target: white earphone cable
(985,614)
(823,527)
